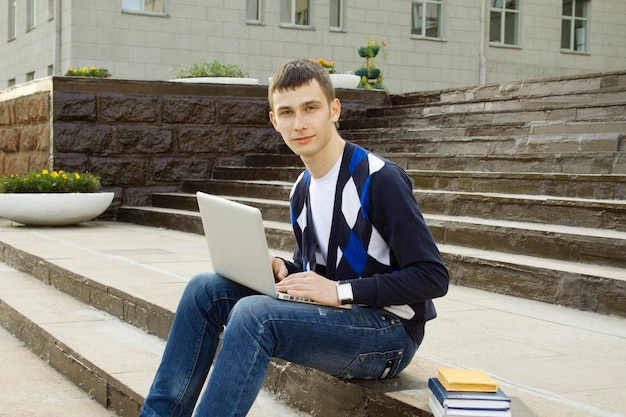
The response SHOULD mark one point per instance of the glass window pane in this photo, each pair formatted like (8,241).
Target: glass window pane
(497,3)
(566,28)
(567,7)
(581,8)
(155,6)
(433,17)
(494,27)
(335,13)
(512,4)
(131,4)
(285,11)
(252,10)
(510,28)
(580,35)
(302,12)
(417,16)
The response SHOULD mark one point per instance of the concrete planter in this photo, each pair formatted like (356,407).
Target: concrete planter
(53,209)
(345,80)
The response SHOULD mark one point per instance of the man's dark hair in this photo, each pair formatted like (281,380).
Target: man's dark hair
(298,72)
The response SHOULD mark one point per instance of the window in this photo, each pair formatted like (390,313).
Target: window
(30,14)
(50,9)
(144,6)
(504,25)
(295,12)
(336,14)
(30,76)
(426,18)
(12,6)
(50,70)
(253,11)
(574,25)
(11,82)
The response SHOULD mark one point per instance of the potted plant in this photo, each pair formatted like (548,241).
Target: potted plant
(88,72)
(340,80)
(370,76)
(214,72)
(57,198)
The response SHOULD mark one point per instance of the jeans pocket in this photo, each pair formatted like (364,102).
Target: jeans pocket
(374,365)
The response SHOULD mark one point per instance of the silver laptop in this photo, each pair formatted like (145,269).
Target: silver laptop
(237,244)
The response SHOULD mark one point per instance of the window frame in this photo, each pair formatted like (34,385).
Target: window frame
(341,10)
(572,19)
(503,12)
(292,15)
(142,9)
(424,23)
(258,20)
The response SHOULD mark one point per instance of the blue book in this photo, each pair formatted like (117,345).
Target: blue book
(469,400)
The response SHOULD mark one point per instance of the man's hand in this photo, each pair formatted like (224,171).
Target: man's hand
(310,285)
(279,269)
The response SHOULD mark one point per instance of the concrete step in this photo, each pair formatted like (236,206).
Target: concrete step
(598,104)
(559,88)
(30,387)
(549,162)
(536,208)
(594,186)
(539,353)
(451,141)
(110,360)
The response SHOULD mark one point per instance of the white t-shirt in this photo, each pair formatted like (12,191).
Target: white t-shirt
(322,199)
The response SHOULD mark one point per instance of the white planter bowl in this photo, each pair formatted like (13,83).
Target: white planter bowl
(218,80)
(53,209)
(345,80)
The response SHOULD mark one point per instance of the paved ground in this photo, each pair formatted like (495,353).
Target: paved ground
(558,361)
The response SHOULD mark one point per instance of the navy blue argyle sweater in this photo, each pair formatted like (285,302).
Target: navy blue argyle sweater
(379,241)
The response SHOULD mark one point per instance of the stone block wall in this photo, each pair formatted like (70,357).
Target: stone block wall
(143,137)
(25,133)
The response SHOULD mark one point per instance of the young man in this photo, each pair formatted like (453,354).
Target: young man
(361,239)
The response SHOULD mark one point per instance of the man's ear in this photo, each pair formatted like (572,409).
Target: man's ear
(273,120)
(335,110)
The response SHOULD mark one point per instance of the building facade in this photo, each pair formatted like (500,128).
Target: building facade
(431,44)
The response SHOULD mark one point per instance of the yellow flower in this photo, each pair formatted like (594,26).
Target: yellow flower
(44,172)
(77,175)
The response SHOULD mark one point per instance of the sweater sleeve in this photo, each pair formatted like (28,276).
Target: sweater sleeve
(418,273)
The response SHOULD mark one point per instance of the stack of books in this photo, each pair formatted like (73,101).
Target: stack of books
(463,392)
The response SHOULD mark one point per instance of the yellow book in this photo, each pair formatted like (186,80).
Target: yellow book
(466,380)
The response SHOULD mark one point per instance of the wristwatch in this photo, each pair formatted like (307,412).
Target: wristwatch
(344,292)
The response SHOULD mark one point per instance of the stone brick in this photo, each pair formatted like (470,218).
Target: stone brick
(32,109)
(9,139)
(75,106)
(204,139)
(128,108)
(91,139)
(143,140)
(189,110)
(245,112)
(251,140)
(120,171)
(176,169)
(7,113)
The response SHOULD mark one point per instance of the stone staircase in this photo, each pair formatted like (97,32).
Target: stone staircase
(522,184)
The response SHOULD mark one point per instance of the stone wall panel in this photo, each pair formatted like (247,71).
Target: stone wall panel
(189,110)
(120,171)
(176,169)
(76,107)
(204,139)
(128,108)
(243,112)
(143,140)
(90,139)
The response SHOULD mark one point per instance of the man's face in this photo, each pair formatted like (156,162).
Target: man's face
(304,118)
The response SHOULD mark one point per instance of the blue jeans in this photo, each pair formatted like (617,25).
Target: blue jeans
(357,343)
